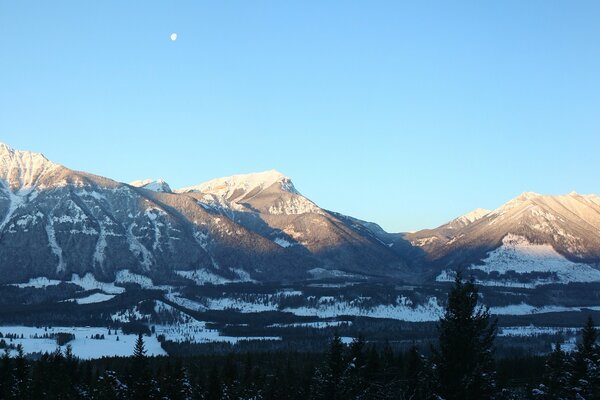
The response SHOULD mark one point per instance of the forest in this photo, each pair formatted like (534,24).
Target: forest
(460,364)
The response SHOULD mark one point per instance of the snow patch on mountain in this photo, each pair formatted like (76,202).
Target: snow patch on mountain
(282,242)
(22,169)
(202,276)
(236,187)
(294,206)
(518,255)
(471,217)
(89,282)
(94,298)
(156,185)
(55,247)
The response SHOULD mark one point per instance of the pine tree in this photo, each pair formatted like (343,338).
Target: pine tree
(418,376)
(109,387)
(175,384)
(327,379)
(464,362)
(354,380)
(556,377)
(139,352)
(585,365)
(5,374)
(143,386)
(214,389)
(20,376)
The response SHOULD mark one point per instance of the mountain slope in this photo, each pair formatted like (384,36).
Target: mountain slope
(268,203)
(56,222)
(569,224)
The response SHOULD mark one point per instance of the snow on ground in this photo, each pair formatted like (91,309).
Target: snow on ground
(41,282)
(197,332)
(525,309)
(289,292)
(240,305)
(124,276)
(94,298)
(89,282)
(519,331)
(521,256)
(282,242)
(347,340)
(83,345)
(403,310)
(127,315)
(202,276)
(317,324)
(321,273)
(184,302)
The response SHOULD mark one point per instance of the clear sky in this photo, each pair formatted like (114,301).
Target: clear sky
(404,113)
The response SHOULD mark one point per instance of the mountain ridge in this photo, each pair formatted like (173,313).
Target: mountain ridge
(55,222)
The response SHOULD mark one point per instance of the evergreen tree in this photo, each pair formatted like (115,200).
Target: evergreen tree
(20,376)
(214,390)
(143,386)
(464,361)
(585,365)
(327,380)
(109,387)
(175,384)
(354,380)
(5,375)
(419,379)
(229,379)
(139,352)
(556,377)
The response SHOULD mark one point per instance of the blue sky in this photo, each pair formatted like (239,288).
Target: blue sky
(404,113)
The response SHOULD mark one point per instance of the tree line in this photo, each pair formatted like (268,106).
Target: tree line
(461,365)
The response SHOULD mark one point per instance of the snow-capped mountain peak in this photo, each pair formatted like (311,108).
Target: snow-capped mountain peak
(22,169)
(473,216)
(237,187)
(156,185)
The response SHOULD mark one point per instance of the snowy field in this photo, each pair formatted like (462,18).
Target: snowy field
(529,331)
(403,310)
(526,309)
(83,345)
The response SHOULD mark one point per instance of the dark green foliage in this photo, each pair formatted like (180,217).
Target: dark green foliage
(63,338)
(464,360)
(585,372)
(576,375)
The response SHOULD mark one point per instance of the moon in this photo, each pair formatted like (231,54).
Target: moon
(173,36)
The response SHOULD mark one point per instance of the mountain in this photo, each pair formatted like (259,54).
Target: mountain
(158,185)
(431,238)
(57,222)
(268,204)
(532,234)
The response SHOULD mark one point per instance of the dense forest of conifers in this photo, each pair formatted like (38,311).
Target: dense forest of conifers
(461,365)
